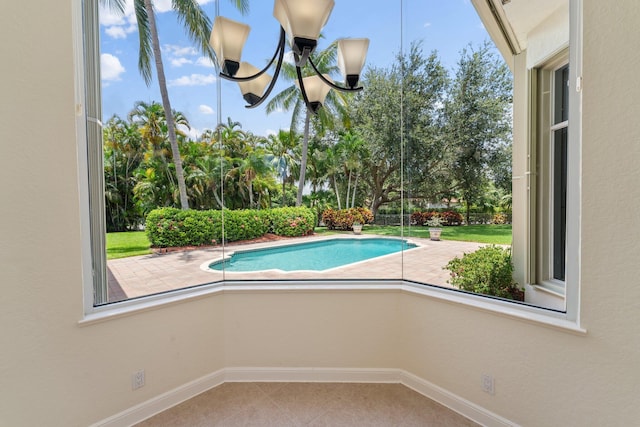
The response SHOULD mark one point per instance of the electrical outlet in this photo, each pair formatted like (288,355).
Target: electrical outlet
(488,384)
(137,379)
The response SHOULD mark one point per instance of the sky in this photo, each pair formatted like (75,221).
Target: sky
(447,26)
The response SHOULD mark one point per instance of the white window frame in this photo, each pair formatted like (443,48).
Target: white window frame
(92,223)
(542,201)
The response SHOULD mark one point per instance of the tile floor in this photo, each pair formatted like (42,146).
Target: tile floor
(149,274)
(308,404)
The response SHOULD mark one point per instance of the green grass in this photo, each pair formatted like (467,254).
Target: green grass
(491,234)
(132,243)
(125,244)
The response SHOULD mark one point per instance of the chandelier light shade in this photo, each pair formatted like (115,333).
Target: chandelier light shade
(351,56)
(227,40)
(301,22)
(252,90)
(316,90)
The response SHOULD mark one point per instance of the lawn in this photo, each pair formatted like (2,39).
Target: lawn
(491,234)
(125,244)
(121,245)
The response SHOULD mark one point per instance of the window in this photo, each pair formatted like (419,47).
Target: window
(549,199)
(552,158)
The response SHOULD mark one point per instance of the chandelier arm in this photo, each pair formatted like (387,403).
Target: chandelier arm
(304,92)
(276,73)
(340,88)
(280,47)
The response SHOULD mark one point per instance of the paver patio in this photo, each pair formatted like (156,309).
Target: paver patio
(150,274)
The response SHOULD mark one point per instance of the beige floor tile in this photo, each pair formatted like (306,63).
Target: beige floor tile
(308,404)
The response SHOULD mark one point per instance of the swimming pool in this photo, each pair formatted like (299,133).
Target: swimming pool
(312,256)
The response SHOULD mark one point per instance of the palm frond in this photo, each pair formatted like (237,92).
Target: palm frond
(144,36)
(241,5)
(114,5)
(283,100)
(196,23)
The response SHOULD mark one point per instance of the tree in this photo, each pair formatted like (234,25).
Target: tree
(156,184)
(198,28)
(291,99)
(478,120)
(282,147)
(400,109)
(123,154)
(351,145)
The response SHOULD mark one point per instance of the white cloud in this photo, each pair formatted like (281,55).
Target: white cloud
(120,32)
(179,62)
(270,132)
(203,61)
(288,58)
(110,17)
(161,6)
(110,67)
(427,24)
(194,80)
(176,50)
(205,109)
(119,25)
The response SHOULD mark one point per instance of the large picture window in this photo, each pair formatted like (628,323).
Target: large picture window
(426,145)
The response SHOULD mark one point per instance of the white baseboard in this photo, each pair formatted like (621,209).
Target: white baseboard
(163,402)
(310,375)
(178,395)
(454,402)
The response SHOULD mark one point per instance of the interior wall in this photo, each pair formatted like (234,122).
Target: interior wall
(55,372)
(324,329)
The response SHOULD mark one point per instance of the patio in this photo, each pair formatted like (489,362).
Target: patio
(149,274)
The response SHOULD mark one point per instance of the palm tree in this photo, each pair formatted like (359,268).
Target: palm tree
(151,122)
(291,98)
(198,28)
(351,144)
(282,147)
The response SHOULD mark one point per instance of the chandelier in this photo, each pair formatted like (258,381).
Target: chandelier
(301,21)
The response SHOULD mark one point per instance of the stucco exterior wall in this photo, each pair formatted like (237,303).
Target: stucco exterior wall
(55,372)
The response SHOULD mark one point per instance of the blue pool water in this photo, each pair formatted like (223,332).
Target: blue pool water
(314,256)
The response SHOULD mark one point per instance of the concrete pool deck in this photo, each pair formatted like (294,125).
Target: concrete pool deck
(149,274)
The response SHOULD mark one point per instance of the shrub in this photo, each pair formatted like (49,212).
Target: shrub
(245,224)
(451,218)
(170,227)
(292,222)
(500,218)
(417,218)
(487,271)
(344,219)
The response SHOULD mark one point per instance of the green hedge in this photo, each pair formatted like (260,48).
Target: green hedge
(291,222)
(171,227)
(487,271)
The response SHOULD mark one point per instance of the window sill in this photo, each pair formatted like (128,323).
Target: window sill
(549,287)
(517,311)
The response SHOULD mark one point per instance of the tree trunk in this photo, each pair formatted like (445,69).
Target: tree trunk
(355,186)
(467,205)
(303,161)
(335,189)
(346,202)
(284,183)
(171,129)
